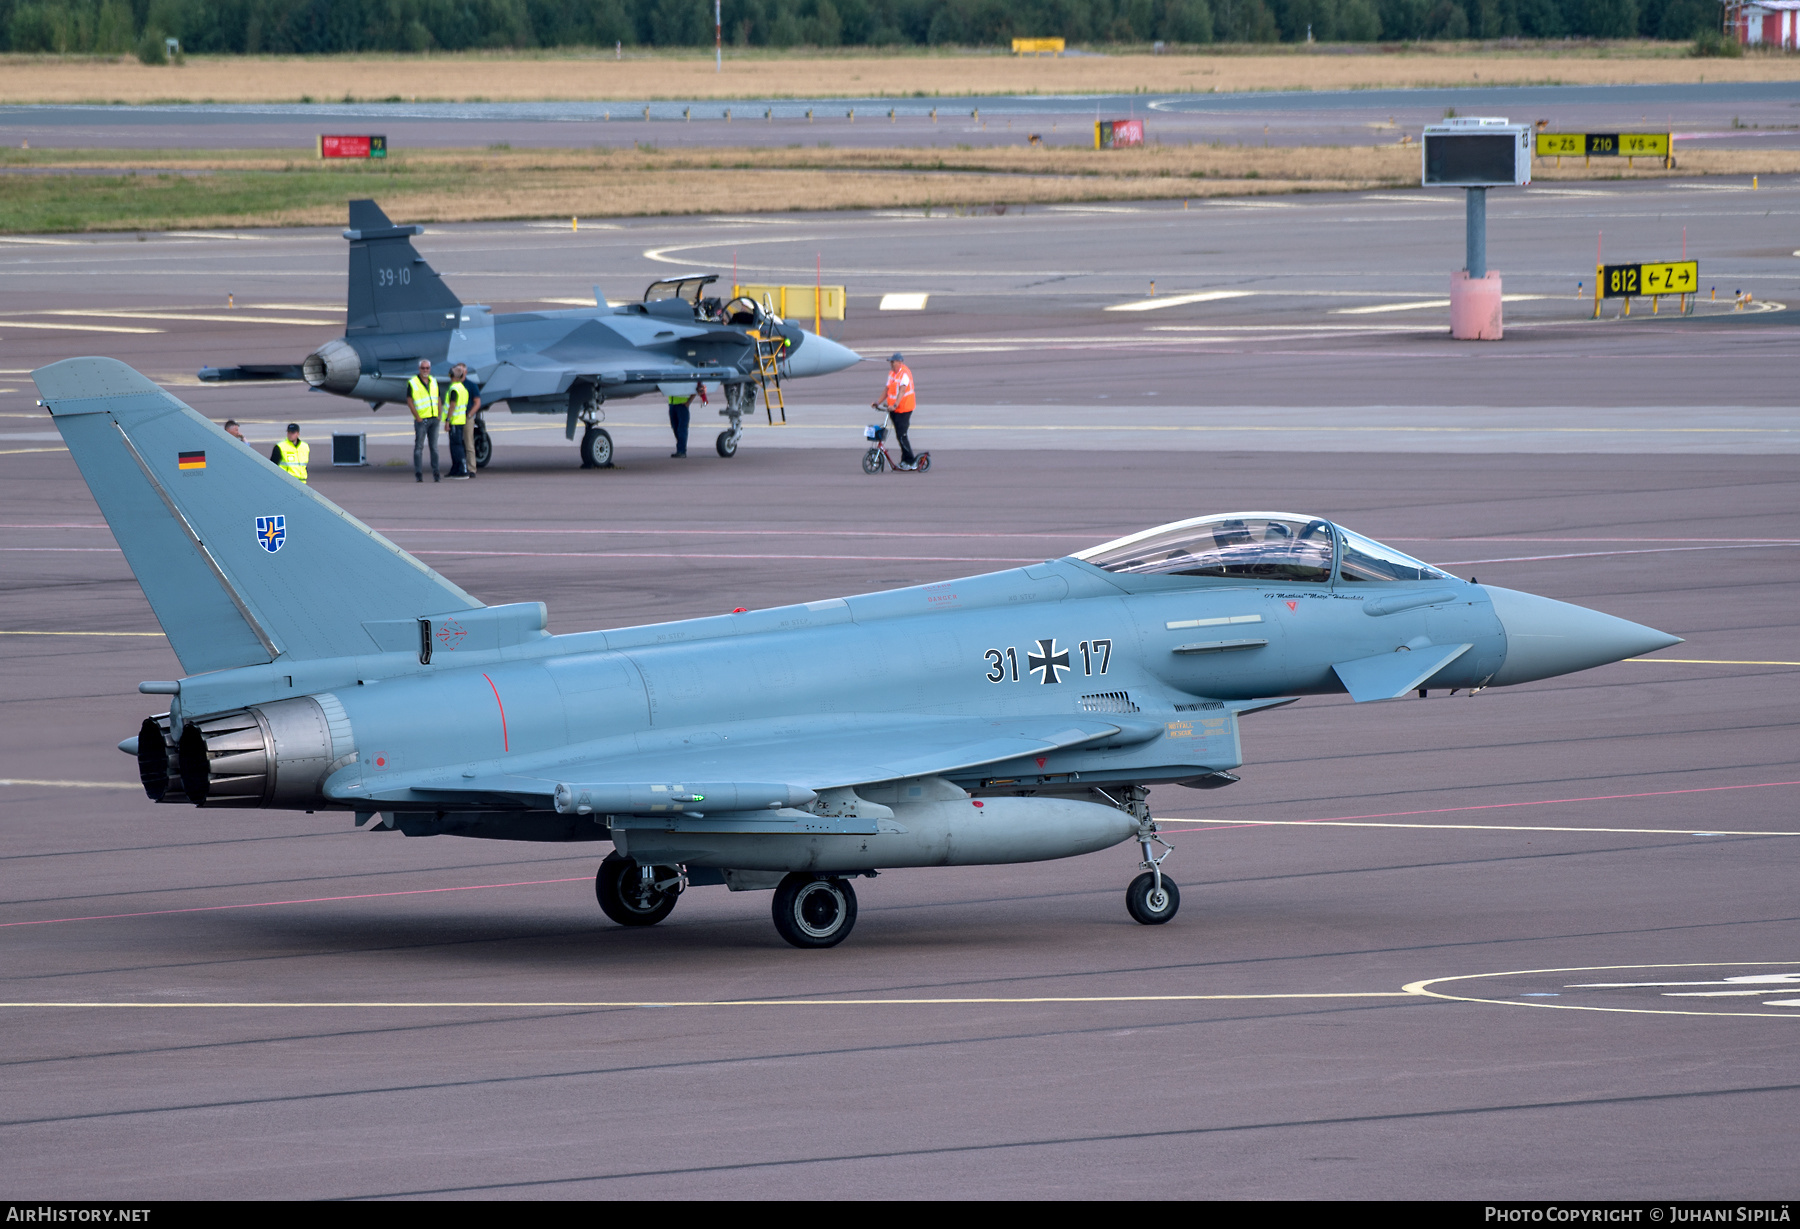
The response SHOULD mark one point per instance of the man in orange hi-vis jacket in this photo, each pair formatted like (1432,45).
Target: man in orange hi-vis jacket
(898,402)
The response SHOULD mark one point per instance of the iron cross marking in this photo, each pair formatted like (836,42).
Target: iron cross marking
(1049,661)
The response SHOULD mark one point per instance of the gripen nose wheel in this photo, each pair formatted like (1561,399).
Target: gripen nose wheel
(812,912)
(1149,904)
(632,898)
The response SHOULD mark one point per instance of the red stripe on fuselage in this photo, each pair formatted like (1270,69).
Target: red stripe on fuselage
(505,742)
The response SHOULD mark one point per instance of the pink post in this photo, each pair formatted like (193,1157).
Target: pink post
(1475,307)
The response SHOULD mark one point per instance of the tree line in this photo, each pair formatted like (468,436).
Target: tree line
(316,26)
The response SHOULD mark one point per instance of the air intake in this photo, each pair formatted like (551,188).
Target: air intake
(1109,702)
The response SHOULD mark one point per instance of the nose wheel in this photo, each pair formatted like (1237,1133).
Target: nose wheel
(635,895)
(813,912)
(1152,902)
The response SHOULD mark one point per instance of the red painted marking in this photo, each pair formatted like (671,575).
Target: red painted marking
(505,740)
(381,761)
(311,900)
(979,804)
(1293,605)
(1040,761)
(739,609)
(1541,802)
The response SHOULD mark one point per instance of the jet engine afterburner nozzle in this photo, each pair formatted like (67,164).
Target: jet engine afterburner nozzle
(275,754)
(334,367)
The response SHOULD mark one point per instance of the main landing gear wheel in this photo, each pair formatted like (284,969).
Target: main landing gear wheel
(726,444)
(596,449)
(813,912)
(630,897)
(873,461)
(484,447)
(1149,904)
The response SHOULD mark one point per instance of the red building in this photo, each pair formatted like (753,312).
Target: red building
(1758,23)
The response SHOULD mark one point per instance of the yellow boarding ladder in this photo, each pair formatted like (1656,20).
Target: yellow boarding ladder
(768,370)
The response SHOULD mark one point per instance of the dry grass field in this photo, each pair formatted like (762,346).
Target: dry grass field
(518,77)
(169,189)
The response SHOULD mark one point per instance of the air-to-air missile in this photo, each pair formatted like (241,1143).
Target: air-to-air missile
(1010,717)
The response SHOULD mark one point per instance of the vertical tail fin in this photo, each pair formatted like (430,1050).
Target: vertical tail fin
(392,289)
(241,563)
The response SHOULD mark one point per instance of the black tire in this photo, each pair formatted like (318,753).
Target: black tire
(596,449)
(484,447)
(1141,901)
(726,444)
(813,912)
(873,461)
(617,888)
(924,461)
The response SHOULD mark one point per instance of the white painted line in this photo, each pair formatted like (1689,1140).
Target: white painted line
(1339,823)
(1176,300)
(945,1002)
(232,318)
(1413,197)
(1093,209)
(903,302)
(76,328)
(73,784)
(47,242)
(1389,307)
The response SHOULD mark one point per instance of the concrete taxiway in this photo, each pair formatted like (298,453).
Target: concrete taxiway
(1487,947)
(1718,115)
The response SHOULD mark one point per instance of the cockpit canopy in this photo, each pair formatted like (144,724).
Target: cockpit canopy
(1258,546)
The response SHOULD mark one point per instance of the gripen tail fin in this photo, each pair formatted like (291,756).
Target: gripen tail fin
(241,563)
(392,289)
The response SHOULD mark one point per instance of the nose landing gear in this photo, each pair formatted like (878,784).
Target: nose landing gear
(1152,897)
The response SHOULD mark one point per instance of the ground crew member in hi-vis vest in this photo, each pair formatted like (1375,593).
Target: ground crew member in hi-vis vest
(292,453)
(678,422)
(422,395)
(898,402)
(460,405)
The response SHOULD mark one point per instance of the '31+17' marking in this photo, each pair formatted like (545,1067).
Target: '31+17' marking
(1048,662)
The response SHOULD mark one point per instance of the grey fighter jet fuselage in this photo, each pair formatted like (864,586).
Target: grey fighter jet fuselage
(1010,717)
(568,362)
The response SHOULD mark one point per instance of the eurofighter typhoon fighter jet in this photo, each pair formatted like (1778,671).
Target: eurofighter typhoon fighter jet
(568,363)
(1010,717)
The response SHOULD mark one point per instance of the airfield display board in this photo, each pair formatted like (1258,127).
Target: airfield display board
(352,146)
(1475,157)
(1118,133)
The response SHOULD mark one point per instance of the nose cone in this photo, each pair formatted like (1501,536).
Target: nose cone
(1545,638)
(819,356)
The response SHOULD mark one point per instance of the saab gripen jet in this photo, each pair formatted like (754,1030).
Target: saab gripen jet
(568,363)
(1015,716)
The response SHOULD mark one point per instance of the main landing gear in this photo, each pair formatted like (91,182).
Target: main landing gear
(814,912)
(634,895)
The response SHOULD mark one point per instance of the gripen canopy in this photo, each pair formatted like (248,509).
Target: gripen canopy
(1263,546)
